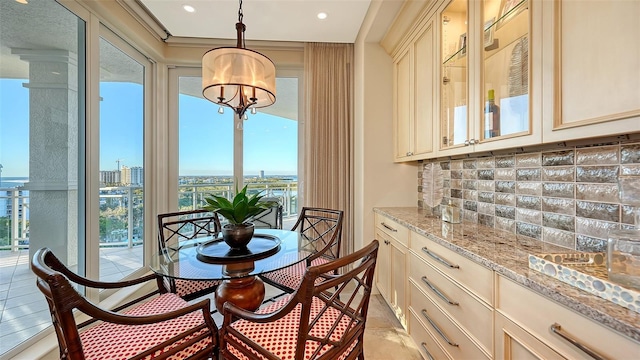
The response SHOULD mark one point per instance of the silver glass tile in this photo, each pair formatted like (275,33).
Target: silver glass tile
(530,230)
(486,220)
(485,197)
(446,183)
(485,174)
(446,174)
(505,199)
(590,244)
(565,190)
(469,164)
(470,184)
(529,188)
(470,195)
(597,174)
(594,228)
(557,221)
(604,155)
(470,216)
(628,215)
(486,163)
(456,174)
(559,205)
(506,186)
(469,174)
(529,216)
(529,160)
(559,237)
(470,205)
(486,185)
(630,170)
(505,224)
(486,208)
(528,174)
(456,183)
(556,158)
(445,165)
(528,202)
(559,173)
(505,161)
(601,211)
(630,154)
(456,193)
(597,192)
(508,212)
(456,164)
(505,174)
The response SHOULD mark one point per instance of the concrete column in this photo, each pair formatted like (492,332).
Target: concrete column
(53,151)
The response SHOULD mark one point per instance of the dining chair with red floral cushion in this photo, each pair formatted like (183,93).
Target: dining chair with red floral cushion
(323,319)
(321,232)
(156,324)
(186,228)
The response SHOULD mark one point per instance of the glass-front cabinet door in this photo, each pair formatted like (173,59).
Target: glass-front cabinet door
(454,127)
(505,69)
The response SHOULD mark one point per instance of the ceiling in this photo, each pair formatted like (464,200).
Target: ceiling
(272,20)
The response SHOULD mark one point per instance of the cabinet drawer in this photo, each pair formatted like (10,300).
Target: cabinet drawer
(391,227)
(453,340)
(536,314)
(469,312)
(427,345)
(475,277)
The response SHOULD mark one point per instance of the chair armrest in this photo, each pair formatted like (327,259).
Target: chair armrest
(233,312)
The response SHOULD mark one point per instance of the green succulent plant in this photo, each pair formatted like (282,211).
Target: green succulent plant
(240,209)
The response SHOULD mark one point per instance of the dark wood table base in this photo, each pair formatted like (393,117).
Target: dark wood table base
(243,291)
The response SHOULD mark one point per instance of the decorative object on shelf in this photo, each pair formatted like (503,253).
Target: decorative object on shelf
(462,48)
(238,232)
(491,116)
(451,214)
(489,42)
(509,9)
(518,81)
(237,77)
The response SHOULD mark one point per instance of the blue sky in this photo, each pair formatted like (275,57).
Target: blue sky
(270,142)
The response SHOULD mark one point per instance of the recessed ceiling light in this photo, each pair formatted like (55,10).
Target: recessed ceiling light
(322,15)
(188,8)
(22,1)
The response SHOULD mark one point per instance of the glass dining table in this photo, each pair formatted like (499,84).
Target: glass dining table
(237,269)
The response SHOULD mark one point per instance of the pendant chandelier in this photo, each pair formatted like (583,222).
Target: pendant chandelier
(237,77)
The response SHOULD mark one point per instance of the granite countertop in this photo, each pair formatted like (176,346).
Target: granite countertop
(507,254)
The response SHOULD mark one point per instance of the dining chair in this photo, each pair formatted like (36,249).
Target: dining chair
(321,232)
(155,324)
(313,322)
(176,228)
(271,218)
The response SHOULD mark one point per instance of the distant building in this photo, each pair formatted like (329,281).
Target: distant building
(136,175)
(125,175)
(261,174)
(109,177)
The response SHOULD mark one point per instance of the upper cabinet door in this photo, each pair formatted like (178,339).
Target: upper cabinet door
(591,69)
(454,41)
(403,106)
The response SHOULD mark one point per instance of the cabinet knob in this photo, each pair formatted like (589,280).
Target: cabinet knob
(467,143)
(409,153)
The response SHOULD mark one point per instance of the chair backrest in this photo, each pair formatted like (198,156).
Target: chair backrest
(55,280)
(334,307)
(322,229)
(271,218)
(179,226)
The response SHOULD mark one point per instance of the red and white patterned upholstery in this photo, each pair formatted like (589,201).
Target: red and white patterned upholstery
(291,276)
(280,337)
(114,341)
(189,287)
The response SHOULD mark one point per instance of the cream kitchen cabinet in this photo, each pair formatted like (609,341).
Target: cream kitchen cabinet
(528,323)
(391,269)
(591,69)
(414,70)
(490,87)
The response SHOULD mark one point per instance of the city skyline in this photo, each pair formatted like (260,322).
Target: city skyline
(205,149)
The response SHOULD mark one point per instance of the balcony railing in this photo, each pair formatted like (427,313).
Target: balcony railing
(121,210)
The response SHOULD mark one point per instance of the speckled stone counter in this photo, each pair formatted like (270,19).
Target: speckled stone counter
(507,254)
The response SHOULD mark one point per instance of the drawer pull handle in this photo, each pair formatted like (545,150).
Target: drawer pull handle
(433,324)
(389,227)
(424,346)
(438,292)
(556,328)
(439,259)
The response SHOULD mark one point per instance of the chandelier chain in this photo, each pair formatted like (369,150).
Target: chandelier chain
(240,13)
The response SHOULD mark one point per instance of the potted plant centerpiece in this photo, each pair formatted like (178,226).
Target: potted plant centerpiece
(238,232)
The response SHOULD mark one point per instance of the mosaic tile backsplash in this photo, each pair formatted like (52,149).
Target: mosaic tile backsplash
(568,197)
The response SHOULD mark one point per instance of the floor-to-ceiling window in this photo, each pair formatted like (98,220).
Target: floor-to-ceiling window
(215,150)
(42,157)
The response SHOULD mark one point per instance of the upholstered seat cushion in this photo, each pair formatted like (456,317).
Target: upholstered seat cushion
(186,287)
(279,337)
(291,276)
(115,341)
